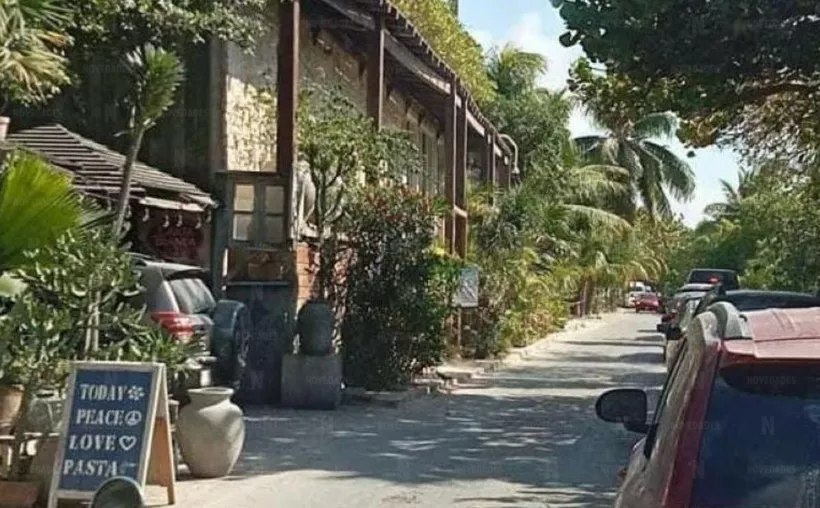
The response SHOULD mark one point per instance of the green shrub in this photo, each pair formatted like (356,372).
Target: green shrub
(397,289)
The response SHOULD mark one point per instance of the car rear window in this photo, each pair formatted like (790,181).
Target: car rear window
(192,295)
(727,279)
(759,302)
(761,439)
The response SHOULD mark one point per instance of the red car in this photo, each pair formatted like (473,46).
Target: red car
(648,301)
(738,421)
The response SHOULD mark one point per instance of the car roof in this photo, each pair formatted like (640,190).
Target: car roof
(695,287)
(769,334)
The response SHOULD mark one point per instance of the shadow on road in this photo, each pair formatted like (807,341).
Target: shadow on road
(532,426)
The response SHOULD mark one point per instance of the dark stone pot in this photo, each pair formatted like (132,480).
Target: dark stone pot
(315,328)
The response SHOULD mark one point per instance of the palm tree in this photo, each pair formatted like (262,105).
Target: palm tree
(37,205)
(31,67)
(514,71)
(653,169)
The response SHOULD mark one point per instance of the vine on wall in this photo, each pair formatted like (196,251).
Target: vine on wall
(437,22)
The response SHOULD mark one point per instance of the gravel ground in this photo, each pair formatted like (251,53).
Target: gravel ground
(525,436)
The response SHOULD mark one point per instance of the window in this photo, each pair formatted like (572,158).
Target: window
(761,439)
(258,214)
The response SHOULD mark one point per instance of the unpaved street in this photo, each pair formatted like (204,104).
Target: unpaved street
(522,437)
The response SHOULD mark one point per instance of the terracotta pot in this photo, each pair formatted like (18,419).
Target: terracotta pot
(11,397)
(18,494)
(315,326)
(4,127)
(210,432)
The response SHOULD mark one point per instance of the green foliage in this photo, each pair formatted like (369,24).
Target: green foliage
(398,289)
(157,74)
(32,66)
(117,27)
(438,24)
(37,205)
(757,89)
(343,150)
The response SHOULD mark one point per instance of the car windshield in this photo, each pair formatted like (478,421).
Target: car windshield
(761,439)
(728,279)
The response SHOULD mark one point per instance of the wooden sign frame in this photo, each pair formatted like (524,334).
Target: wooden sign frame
(156,462)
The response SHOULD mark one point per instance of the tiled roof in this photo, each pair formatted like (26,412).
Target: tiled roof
(97,168)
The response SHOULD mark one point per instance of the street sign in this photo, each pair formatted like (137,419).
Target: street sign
(467,294)
(115,424)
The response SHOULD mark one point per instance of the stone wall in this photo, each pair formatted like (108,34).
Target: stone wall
(250,123)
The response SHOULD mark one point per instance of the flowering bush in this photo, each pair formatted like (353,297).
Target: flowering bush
(398,291)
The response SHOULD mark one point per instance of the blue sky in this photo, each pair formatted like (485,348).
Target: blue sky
(534,25)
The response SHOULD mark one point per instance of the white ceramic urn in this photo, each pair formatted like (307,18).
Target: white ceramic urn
(210,432)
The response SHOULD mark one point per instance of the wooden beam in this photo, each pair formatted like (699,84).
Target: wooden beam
(461,157)
(486,161)
(493,162)
(450,164)
(375,71)
(287,77)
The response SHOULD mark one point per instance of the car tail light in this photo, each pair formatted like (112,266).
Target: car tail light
(178,325)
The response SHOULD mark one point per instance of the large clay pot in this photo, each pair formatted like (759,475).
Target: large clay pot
(11,397)
(210,432)
(315,327)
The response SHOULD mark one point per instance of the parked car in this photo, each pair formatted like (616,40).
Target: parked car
(671,306)
(647,301)
(727,278)
(743,300)
(675,333)
(737,420)
(177,298)
(751,299)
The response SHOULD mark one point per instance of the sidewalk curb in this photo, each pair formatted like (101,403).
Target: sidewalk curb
(445,378)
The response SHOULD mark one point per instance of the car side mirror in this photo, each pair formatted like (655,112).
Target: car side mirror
(675,333)
(118,492)
(627,406)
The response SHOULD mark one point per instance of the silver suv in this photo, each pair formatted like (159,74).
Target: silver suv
(177,298)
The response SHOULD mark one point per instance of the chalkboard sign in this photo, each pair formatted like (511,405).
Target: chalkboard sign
(115,416)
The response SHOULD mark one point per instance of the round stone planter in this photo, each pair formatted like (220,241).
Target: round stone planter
(315,327)
(210,432)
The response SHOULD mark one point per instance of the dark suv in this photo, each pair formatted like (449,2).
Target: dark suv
(177,298)
(727,278)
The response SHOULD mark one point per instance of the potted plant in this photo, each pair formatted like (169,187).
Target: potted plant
(33,67)
(343,152)
(34,355)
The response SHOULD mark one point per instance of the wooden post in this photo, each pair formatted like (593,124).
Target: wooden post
(287,80)
(461,156)
(375,71)
(450,163)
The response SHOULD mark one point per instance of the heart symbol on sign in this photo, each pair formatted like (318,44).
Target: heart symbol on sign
(127,442)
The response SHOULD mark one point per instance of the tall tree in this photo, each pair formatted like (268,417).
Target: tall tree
(654,170)
(735,70)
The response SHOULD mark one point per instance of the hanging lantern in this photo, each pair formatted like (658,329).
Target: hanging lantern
(167,221)
(198,222)
(145,216)
(128,212)
(179,220)
(208,218)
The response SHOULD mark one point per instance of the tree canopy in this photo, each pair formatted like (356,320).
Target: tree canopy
(735,70)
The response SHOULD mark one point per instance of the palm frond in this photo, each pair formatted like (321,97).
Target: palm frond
(37,205)
(599,218)
(676,173)
(655,125)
